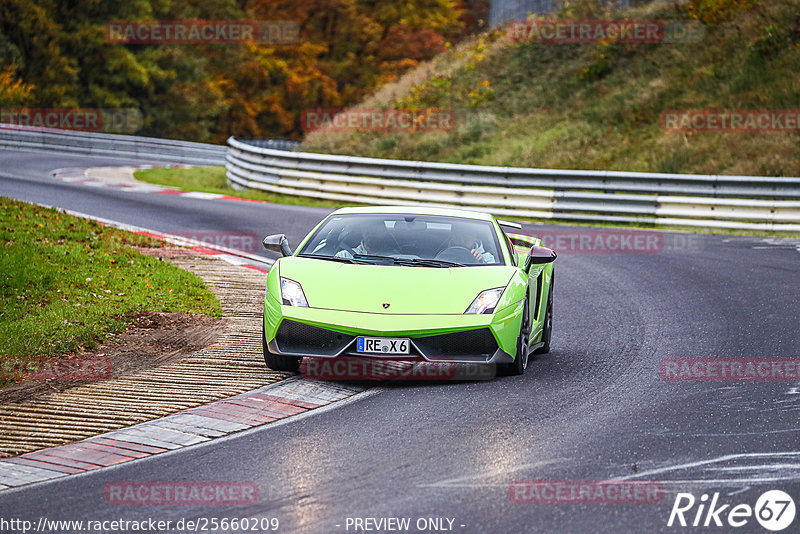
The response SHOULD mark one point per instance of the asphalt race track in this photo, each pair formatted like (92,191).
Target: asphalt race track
(595,408)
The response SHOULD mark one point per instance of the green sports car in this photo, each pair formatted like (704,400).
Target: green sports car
(409,283)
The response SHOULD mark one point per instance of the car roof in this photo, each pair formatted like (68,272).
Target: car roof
(418,210)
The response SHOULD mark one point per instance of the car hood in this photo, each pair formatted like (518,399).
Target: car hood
(407,290)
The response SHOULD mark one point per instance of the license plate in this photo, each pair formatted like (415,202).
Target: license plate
(383,345)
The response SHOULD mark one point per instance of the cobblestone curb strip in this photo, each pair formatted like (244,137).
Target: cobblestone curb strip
(232,365)
(264,405)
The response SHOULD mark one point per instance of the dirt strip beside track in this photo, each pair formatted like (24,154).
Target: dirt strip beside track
(233,364)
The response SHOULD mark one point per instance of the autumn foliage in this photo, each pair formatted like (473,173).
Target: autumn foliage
(56,55)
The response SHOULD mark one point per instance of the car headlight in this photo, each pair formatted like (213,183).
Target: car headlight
(486,301)
(292,293)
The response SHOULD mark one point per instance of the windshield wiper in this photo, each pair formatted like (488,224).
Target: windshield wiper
(434,263)
(374,257)
(422,262)
(331,258)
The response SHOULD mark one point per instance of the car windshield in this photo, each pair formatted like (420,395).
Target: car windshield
(414,240)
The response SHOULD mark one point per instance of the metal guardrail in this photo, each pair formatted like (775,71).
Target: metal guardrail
(737,202)
(277,144)
(99,144)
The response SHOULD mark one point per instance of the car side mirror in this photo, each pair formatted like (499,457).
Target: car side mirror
(277,243)
(539,255)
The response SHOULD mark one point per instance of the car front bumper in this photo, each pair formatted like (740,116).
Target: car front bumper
(323,333)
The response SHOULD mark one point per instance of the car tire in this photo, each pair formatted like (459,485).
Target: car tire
(547,332)
(279,362)
(521,359)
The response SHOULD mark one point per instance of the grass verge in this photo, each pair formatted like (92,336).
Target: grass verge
(213,180)
(67,283)
(599,105)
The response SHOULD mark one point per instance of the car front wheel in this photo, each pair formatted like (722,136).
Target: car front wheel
(521,359)
(279,362)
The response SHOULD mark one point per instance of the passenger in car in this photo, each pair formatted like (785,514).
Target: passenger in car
(373,240)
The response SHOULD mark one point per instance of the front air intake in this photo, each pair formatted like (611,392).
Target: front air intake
(298,338)
(480,342)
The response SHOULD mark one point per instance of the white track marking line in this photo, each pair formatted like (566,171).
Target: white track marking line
(690,465)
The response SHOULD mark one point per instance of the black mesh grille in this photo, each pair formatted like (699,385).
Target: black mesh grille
(479,342)
(301,338)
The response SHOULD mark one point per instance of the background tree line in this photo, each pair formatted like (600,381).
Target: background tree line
(55,55)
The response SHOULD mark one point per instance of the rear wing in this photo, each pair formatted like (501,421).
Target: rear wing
(509,224)
(523,243)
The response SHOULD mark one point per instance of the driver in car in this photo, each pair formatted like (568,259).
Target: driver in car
(464,236)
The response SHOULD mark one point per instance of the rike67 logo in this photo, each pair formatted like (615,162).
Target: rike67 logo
(774,510)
